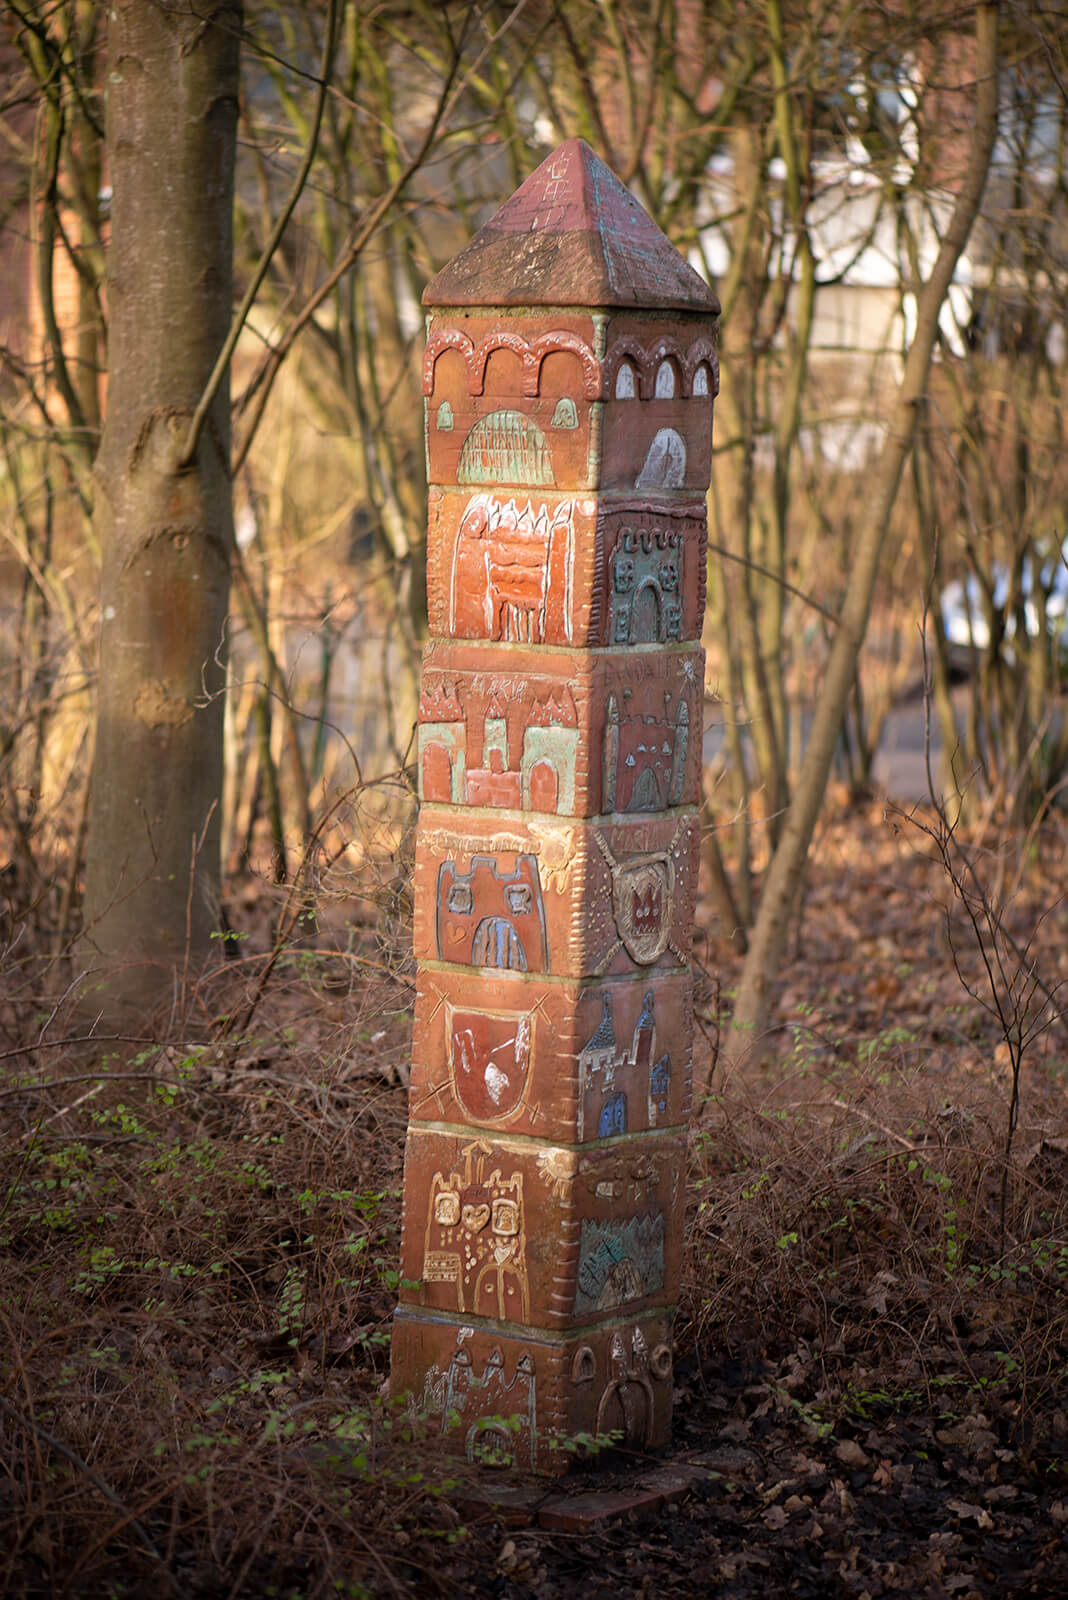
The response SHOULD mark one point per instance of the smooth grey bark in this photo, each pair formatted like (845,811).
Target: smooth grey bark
(747,1036)
(165,528)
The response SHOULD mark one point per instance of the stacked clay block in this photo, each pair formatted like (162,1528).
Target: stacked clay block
(569,376)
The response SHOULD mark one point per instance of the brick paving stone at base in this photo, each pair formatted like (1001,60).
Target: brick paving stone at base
(582,1513)
(513,1505)
(674,1480)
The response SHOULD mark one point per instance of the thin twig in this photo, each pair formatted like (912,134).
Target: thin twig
(94,1077)
(85,1038)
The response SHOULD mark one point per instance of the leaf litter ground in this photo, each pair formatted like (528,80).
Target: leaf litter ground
(199,1246)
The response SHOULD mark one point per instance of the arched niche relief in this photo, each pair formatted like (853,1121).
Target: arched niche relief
(494,348)
(437,773)
(626,385)
(446,357)
(448,374)
(562,363)
(444,417)
(583,1365)
(700,372)
(646,618)
(544,785)
(502,376)
(667,383)
(566,375)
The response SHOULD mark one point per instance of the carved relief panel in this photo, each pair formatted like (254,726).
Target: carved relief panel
(556,1060)
(542,1235)
(586,900)
(552,569)
(650,576)
(509,400)
(572,735)
(510,1401)
(659,391)
(503,565)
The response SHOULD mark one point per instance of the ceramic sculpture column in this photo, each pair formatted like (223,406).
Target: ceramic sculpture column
(569,377)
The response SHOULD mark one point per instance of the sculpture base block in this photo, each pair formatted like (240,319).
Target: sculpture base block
(526,1401)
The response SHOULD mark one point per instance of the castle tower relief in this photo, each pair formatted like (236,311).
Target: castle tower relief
(569,375)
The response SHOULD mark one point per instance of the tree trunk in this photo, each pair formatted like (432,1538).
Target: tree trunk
(747,1036)
(166,531)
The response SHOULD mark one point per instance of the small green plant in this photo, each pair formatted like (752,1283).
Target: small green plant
(104,1263)
(873,1049)
(954,1239)
(809,1414)
(292,1298)
(587,1446)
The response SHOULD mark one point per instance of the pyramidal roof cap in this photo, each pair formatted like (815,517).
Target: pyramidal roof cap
(571,235)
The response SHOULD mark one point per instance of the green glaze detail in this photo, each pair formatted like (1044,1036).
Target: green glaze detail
(682,745)
(644,606)
(620,1259)
(453,737)
(594,452)
(495,737)
(505,447)
(560,747)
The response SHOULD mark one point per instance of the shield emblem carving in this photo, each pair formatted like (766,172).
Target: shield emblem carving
(641,901)
(489,1057)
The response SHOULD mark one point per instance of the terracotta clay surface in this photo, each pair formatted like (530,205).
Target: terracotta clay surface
(516,1401)
(571,235)
(579,900)
(571,733)
(544,1236)
(541,567)
(542,401)
(561,1061)
(569,376)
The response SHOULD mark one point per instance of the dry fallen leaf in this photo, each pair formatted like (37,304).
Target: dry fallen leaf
(964,1508)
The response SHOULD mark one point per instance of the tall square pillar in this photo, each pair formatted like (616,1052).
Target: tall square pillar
(569,377)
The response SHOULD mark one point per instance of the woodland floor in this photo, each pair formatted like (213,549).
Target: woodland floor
(198,1243)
